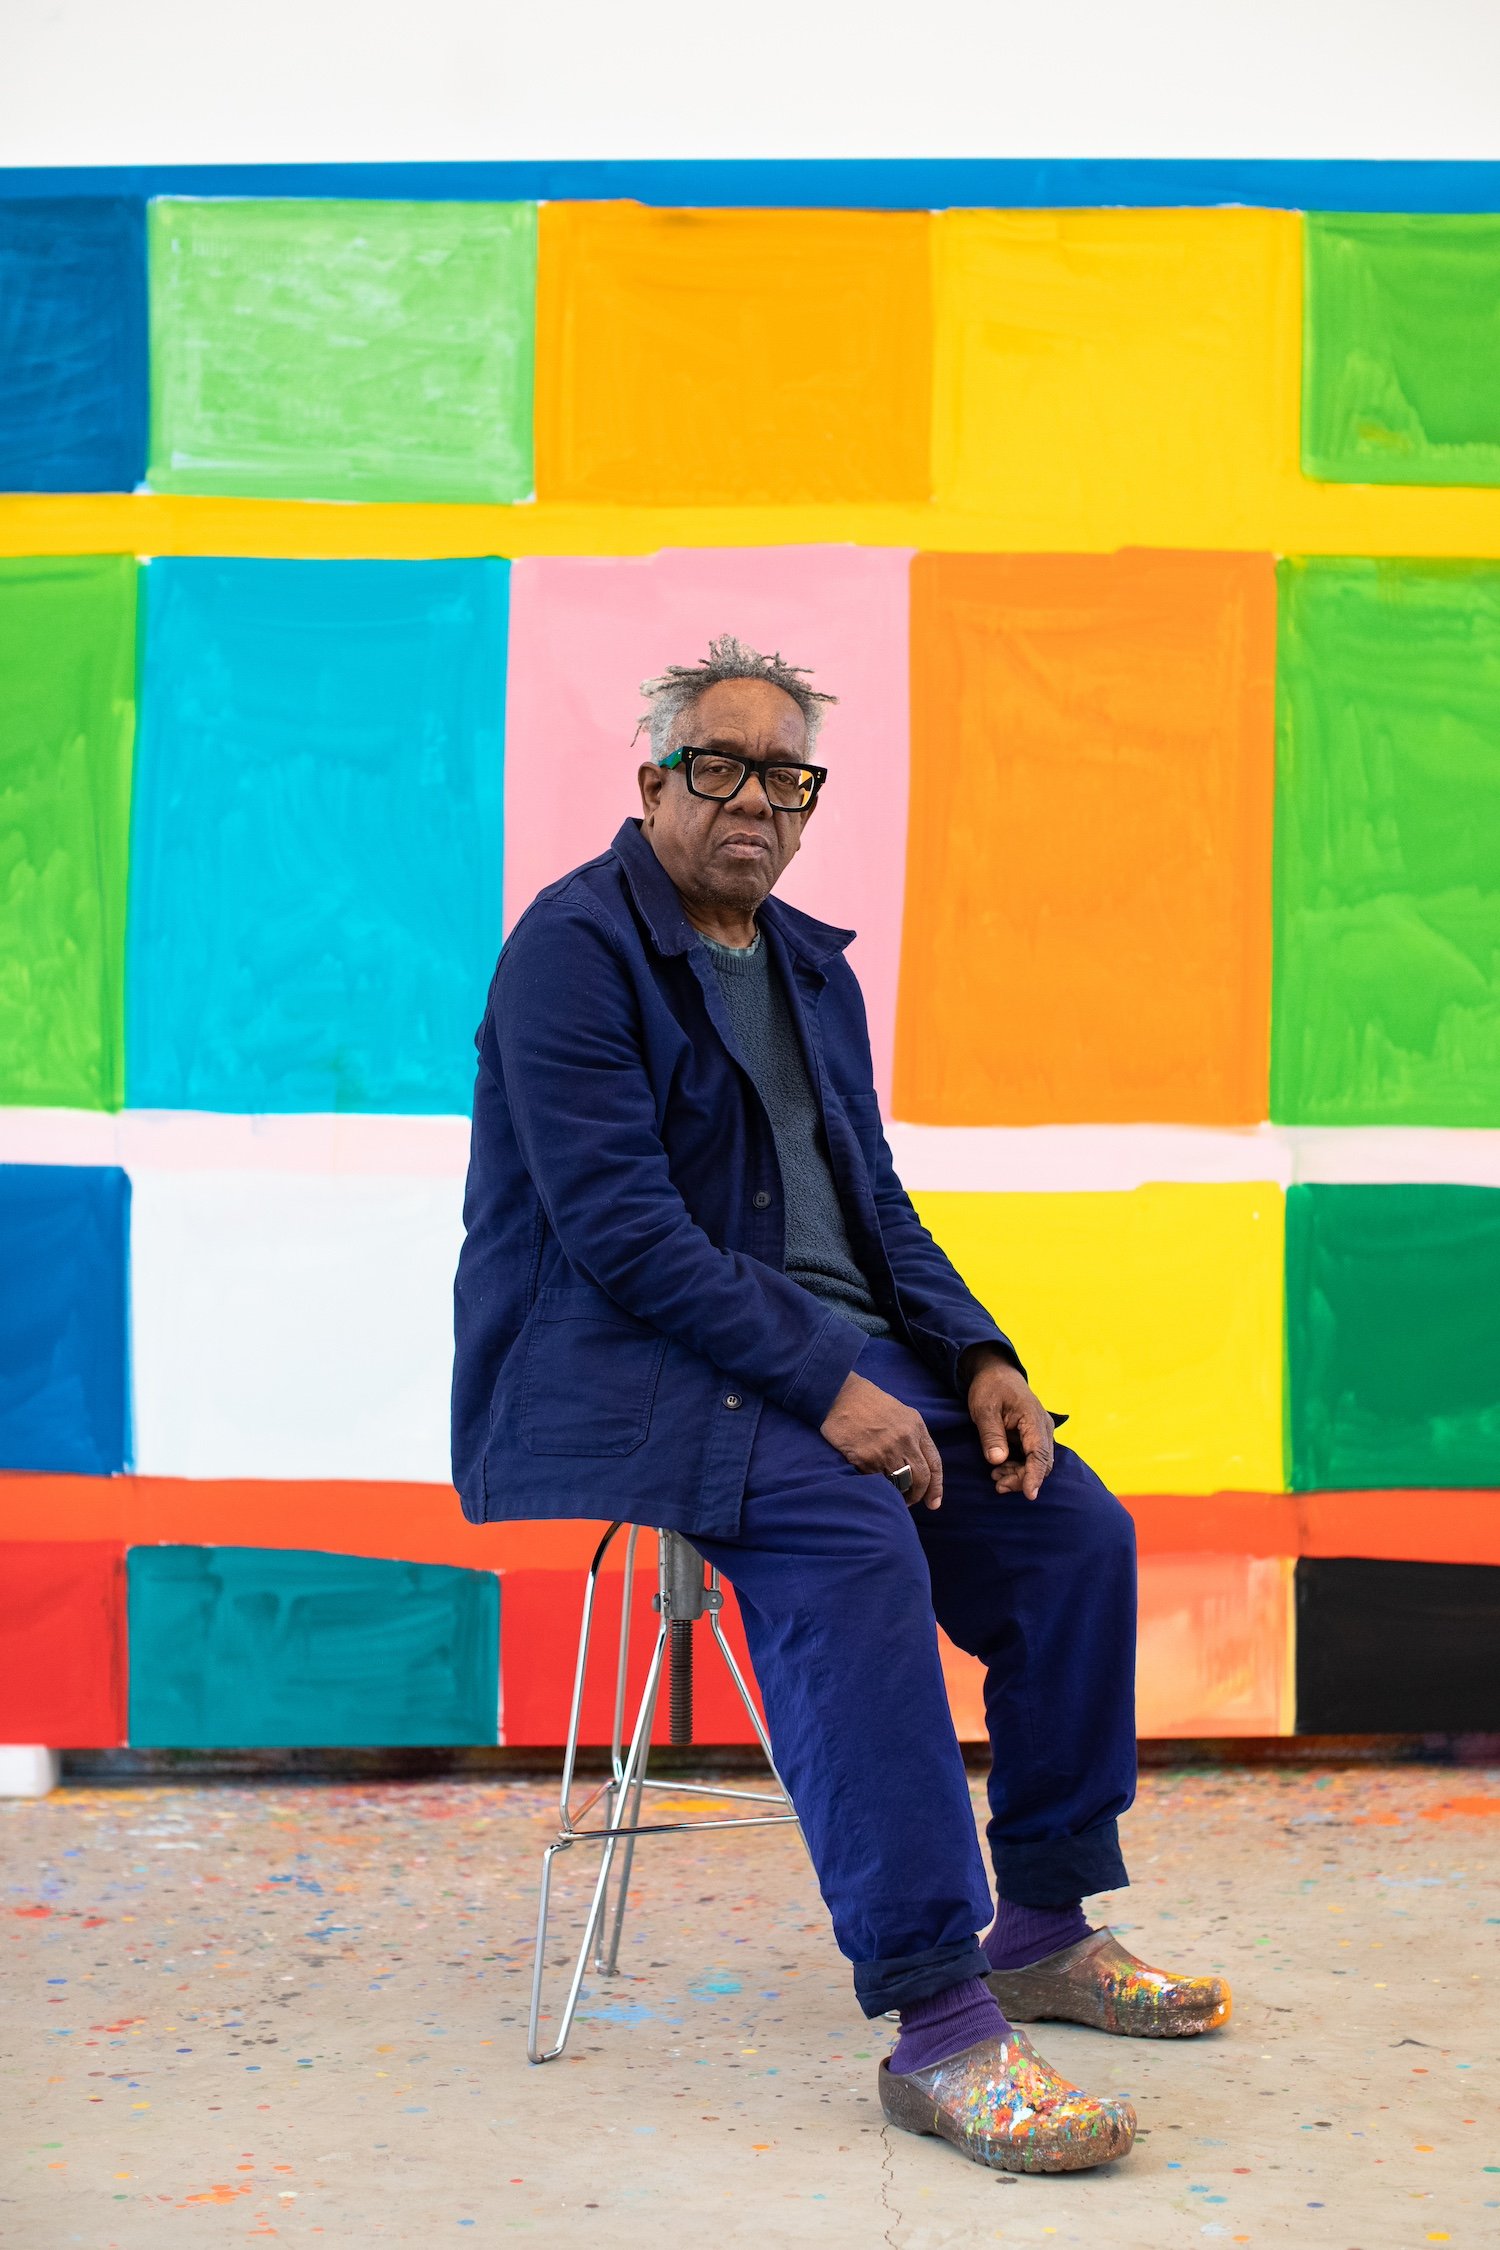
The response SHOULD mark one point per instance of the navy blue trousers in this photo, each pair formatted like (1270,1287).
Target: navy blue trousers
(842,1587)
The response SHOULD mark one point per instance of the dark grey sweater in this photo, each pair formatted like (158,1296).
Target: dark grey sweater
(818,1251)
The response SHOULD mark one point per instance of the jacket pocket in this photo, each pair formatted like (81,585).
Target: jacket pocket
(590,1375)
(863,1113)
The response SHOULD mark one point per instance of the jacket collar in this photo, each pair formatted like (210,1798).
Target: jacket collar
(662,912)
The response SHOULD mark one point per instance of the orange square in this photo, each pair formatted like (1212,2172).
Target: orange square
(1214,1647)
(1088,893)
(691,357)
(1214,1651)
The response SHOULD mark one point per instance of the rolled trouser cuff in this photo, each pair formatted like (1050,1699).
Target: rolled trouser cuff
(1061,1870)
(882,1985)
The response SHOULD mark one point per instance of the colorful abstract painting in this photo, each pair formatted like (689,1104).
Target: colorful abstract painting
(1151,545)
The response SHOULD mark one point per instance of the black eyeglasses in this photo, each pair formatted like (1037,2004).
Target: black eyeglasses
(714,773)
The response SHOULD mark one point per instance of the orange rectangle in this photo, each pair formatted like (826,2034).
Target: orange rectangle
(422,1522)
(1214,1652)
(735,357)
(1215,1523)
(1088,894)
(404,1522)
(1214,1646)
(1446,1527)
(1437,1527)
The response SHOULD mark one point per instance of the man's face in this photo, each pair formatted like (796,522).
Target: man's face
(727,856)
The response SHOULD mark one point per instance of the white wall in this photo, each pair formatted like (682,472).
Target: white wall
(198,81)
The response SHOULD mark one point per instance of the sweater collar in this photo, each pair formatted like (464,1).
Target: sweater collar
(661,909)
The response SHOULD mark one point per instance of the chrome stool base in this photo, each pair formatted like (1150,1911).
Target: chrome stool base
(682,1598)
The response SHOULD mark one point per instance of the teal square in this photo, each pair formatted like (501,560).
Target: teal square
(261,1648)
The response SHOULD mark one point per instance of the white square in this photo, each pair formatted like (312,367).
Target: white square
(290,1326)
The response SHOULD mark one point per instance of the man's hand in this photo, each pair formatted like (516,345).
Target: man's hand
(1014,1427)
(877,1433)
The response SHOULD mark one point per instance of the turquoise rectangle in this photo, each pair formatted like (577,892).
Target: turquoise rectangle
(260,1648)
(316,847)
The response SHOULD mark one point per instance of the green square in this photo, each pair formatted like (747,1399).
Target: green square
(342,351)
(1401,349)
(1393,1337)
(67,677)
(1386,982)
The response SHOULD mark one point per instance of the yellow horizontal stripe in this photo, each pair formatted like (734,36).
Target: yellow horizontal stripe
(1153,1318)
(1309,519)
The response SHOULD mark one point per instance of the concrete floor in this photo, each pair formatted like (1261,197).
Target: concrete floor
(297,2012)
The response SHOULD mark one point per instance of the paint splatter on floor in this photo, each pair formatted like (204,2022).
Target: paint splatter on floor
(297,2013)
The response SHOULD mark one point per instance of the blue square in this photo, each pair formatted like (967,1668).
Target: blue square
(316,860)
(64,1325)
(73,390)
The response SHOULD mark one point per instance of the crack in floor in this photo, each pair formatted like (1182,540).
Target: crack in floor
(887,2181)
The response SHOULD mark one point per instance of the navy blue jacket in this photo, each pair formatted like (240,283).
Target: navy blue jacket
(621,1308)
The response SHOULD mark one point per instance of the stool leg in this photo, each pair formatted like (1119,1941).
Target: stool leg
(618,1813)
(639,1746)
(580,1669)
(617,1731)
(716,1627)
(539,1963)
(607,1959)
(570,1759)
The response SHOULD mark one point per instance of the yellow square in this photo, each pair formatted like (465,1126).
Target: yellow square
(732,357)
(1108,378)
(1153,1318)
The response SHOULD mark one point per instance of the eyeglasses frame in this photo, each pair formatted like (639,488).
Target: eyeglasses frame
(682,757)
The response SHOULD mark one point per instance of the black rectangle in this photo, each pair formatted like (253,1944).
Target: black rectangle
(1397,1647)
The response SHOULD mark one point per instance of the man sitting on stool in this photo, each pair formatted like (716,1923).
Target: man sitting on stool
(694,1294)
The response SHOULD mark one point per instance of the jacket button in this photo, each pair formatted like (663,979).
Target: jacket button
(732,1398)
(760,1199)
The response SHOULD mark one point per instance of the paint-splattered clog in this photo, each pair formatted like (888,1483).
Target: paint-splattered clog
(1097,1982)
(1002,2105)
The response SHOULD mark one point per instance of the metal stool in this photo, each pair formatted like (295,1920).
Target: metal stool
(683,1597)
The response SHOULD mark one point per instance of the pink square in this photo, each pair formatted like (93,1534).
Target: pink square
(585,632)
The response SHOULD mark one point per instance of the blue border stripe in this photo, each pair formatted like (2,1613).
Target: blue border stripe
(867,184)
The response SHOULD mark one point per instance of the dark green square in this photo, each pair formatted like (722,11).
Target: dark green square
(1393,1337)
(1401,348)
(1386,981)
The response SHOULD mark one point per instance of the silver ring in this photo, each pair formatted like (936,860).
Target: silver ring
(901,1478)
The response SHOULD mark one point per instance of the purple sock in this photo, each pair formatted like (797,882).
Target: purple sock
(934,2029)
(1023,1934)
